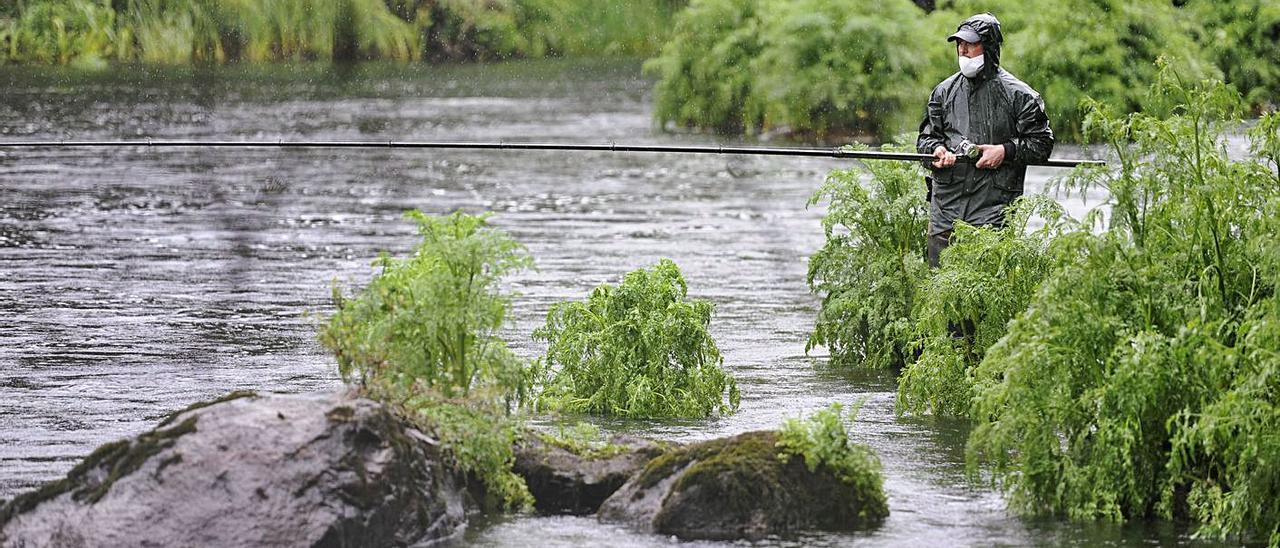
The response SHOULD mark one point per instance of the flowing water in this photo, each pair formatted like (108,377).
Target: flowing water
(136,281)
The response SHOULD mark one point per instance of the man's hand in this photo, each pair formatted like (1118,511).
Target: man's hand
(992,156)
(944,157)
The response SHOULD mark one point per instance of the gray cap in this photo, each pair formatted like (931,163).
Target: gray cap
(965,33)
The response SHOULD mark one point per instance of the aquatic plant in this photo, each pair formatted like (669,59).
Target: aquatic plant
(638,349)
(479,438)
(431,321)
(871,267)
(823,442)
(423,337)
(1141,380)
(986,278)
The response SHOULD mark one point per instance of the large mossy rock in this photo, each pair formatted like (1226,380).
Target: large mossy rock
(738,488)
(568,482)
(317,470)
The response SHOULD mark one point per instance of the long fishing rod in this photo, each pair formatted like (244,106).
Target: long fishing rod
(839,152)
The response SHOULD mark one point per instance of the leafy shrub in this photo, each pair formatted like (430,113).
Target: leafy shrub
(1243,38)
(870,269)
(812,66)
(638,349)
(1141,381)
(985,279)
(431,321)
(701,69)
(822,441)
(423,337)
(847,66)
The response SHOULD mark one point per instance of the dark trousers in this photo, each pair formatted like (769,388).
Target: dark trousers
(936,245)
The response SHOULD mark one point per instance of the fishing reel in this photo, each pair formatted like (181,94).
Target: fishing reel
(969,150)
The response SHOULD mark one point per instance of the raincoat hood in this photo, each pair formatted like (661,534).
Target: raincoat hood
(982,28)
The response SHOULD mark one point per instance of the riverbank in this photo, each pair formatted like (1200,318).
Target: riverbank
(93,33)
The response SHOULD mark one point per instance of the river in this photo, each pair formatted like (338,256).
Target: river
(134,282)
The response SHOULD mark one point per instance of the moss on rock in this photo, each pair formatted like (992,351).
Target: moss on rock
(739,487)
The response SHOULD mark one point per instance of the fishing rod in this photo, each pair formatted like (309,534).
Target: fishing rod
(839,152)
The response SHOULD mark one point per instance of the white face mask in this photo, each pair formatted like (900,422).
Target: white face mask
(970,66)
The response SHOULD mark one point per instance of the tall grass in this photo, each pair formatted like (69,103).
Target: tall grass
(186,31)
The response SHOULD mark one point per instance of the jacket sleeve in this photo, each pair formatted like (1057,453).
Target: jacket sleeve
(931,136)
(1033,141)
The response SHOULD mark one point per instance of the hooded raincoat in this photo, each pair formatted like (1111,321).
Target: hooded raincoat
(993,107)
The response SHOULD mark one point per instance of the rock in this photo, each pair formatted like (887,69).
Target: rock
(564,482)
(738,488)
(323,470)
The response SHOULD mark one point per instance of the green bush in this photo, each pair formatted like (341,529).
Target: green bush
(431,321)
(703,76)
(822,441)
(813,66)
(848,66)
(423,337)
(1243,38)
(638,349)
(1141,381)
(985,279)
(870,270)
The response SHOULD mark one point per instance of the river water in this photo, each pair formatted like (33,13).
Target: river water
(134,282)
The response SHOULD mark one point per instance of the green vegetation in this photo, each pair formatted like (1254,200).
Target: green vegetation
(870,270)
(583,439)
(986,278)
(1122,367)
(840,68)
(424,336)
(822,441)
(812,66)
(639,349)
(1243,39)
(93,32)
(1141,381)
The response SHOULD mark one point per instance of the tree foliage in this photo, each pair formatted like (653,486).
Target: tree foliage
(813,66)
(870,270)
(638,349)
(1243,38)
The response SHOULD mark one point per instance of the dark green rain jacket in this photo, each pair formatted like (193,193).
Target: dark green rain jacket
(993,107)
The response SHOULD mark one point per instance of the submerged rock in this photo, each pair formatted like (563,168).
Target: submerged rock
(565,482)
(736,488)
(327,469)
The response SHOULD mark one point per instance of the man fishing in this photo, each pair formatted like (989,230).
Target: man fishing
(990,117)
